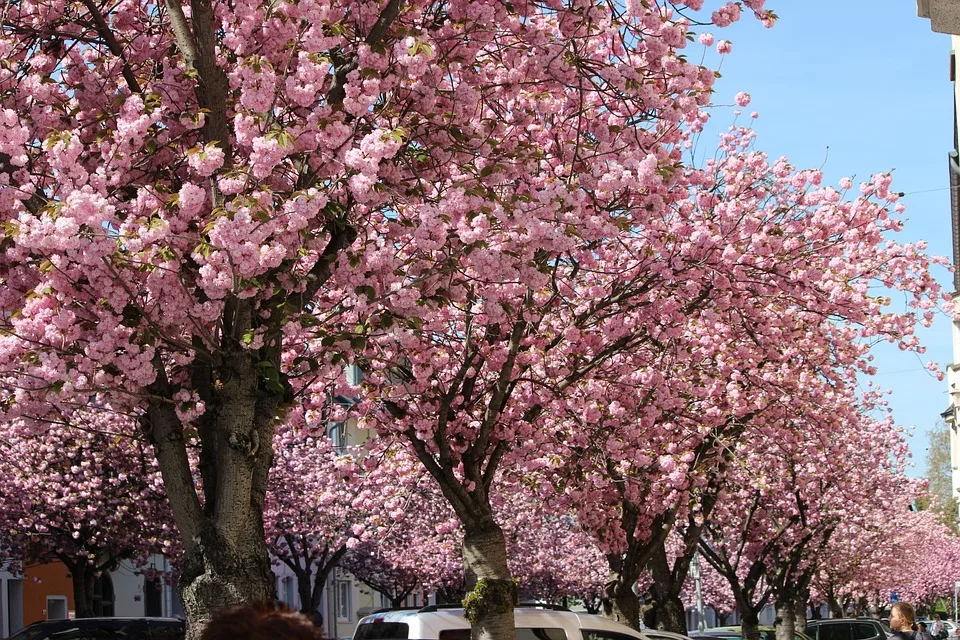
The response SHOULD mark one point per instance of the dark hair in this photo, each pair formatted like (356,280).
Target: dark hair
(260,621)
(922,625)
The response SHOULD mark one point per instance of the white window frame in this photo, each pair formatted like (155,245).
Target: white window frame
(343,601)
(62,600)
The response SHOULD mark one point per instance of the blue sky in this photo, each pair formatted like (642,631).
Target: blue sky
(858,87)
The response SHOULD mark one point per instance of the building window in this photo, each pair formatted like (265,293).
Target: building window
(288,593)
(337,432)
(343,601)
(56,608)
(152,597)
(354,376)
(103,596)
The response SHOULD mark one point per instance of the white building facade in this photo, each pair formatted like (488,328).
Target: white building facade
(944,16)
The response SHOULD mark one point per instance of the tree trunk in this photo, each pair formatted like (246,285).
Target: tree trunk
(491,591)
(800,611)
(310,587)
(836,609)
(220,571)
(786,616)
(82,577)
(669,614)
(620,603)
(666,609)
(750,624)
(225,559)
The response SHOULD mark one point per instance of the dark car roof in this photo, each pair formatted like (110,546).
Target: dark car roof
(51,628)
(731,633)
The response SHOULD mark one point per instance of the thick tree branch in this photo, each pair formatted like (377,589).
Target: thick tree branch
(103,29)
(167,435)
(343,65)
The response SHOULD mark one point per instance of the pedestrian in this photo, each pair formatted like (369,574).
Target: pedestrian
(922,633)
(902,618)
(938,630)
(263,621)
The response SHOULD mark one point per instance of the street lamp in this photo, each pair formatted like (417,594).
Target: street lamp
(695,573)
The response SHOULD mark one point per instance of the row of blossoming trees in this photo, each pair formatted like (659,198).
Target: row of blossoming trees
(209,208)
(783,533)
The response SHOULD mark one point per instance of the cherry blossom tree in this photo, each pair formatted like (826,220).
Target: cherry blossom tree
(309,514)
(415,546)
(549,554)
(924,554)
(551,557)
(86,493)
(714,590)
(793,338)
(207,207)
(784,502)
(207,210)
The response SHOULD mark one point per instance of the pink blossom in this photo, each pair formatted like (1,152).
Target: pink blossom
(191,199)
(206,160)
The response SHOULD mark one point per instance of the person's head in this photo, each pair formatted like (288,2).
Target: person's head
(902,617)
(263,621)
(921,626)
(936,617)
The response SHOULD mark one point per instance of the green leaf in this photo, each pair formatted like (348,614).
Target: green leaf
(313,363)
(248,336)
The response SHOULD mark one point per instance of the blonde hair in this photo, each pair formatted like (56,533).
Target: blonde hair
(908,613)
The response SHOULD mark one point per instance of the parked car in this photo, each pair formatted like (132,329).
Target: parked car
(883,625)
(951,628)
(736,633)
(658,634)
(533,622)
(845,629)
(104,629)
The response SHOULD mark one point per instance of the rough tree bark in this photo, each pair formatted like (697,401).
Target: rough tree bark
(491,591)
(620,603)
(82,577)
(800,610)
(786,608)
(667,610)
(750,623)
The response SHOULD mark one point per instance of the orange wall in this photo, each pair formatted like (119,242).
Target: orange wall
(54,580)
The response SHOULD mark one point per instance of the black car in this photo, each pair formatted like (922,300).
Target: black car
(104,629)
(845,629)
(736,633)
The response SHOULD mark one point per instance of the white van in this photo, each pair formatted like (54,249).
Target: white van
(533,622)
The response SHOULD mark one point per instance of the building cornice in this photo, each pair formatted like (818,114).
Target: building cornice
(944,15)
